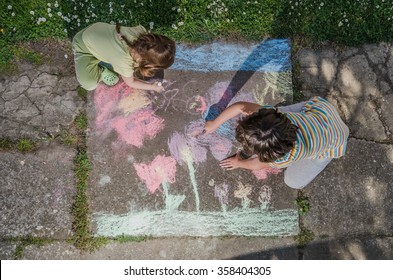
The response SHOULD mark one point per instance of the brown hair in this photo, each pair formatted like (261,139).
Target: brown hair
(156,52)
(267,133)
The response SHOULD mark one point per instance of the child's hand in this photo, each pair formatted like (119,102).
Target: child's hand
(157,86)
(209,127)
(231,163)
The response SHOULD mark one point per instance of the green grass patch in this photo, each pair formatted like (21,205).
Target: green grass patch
(304,237)
(26,241)
(25,145)
(128,238)
(82,93)
(6,144)
(81,121)
(302,204)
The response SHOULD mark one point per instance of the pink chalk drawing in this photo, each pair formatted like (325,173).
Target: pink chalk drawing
(196,105)
(161,171)
(137,127)
(128,112)
(263,173)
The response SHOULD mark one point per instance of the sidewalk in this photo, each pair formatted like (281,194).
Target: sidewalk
(190,207)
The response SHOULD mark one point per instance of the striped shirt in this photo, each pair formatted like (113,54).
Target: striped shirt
(321,133)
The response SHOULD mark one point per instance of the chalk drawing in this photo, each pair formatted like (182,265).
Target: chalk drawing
(161,171)
(271,55)
(137,127)
(219,146)
(186,152)
(265,196)
(242,222)
(126,111)
(104,180)
(135,117)
(243,192)
(222,193)
(263,173)
(134,102)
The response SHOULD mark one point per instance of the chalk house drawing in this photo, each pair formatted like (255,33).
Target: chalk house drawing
(135,117)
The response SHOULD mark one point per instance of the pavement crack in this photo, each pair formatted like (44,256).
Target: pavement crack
(384,142)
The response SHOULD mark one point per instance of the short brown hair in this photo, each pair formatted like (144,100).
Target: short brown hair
(267,133)
(156,52)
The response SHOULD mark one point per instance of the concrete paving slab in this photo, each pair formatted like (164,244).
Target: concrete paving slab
(36,192)
(354,195)
(199,249)
(7,250)
(155,174)
(365,248)
(53,251)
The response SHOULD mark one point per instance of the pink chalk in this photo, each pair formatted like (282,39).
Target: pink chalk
(263,173)
(161,169)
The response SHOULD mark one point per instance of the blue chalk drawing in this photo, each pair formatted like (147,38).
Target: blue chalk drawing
(272,55)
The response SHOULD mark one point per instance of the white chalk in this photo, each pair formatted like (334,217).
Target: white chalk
(159,84)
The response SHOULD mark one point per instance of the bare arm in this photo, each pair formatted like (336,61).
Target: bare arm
(235,109)
(235,162)
(138,84)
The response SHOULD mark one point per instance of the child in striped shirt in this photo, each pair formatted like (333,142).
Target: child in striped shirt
(303,137)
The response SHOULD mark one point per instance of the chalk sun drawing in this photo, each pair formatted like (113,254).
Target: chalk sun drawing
(161,171)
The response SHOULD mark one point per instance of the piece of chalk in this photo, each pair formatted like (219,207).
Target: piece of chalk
(159,84)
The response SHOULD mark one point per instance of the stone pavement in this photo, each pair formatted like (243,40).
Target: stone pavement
(351,201)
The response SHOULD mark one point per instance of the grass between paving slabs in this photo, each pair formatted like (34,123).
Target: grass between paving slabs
(82,238)
(22,242)
(305,235)
(345,22)
(23,145)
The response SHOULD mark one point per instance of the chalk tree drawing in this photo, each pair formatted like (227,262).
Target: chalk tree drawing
(135,117)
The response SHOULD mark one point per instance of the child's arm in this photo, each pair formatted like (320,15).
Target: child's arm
(235,109)
(235,162)
(138,84)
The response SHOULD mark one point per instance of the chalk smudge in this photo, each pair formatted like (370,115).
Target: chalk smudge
(222,193)
(243,192)
(186,152)
(265,196)
(263,173)
(137,127)
(104,180)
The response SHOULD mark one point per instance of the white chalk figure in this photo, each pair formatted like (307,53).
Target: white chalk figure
(222,193)
(265,196)
(243,192)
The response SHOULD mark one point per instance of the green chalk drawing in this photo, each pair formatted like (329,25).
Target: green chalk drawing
(243,222)
(172,202)
(186,155)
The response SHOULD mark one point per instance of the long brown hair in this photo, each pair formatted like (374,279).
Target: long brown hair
(267,133)
(156,52)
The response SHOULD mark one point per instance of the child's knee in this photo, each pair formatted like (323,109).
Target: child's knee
(293,183)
